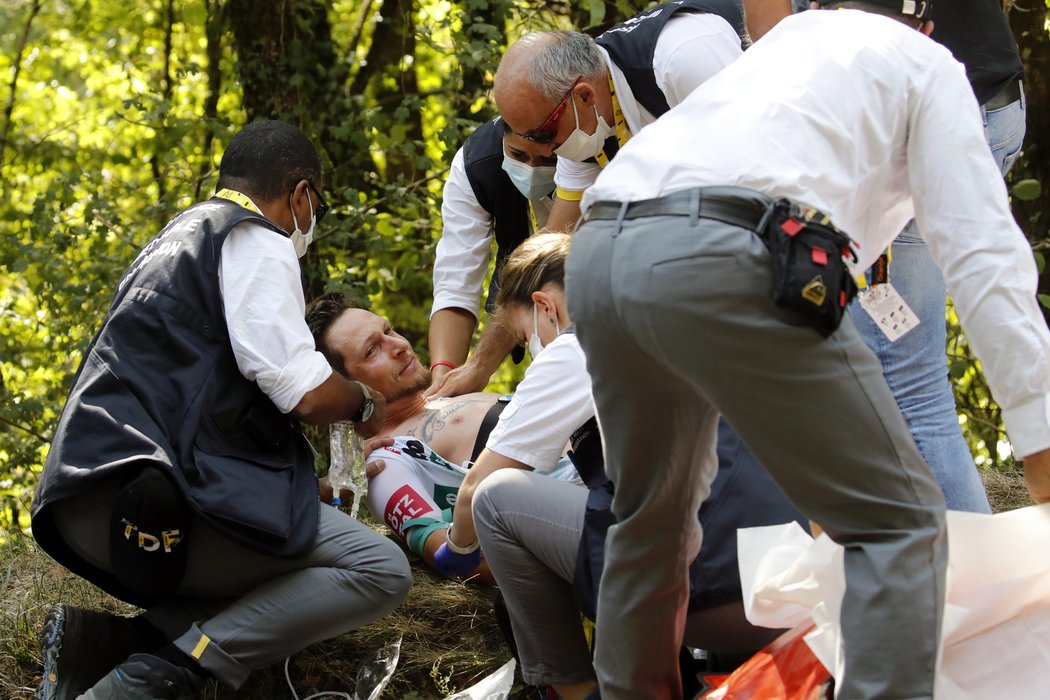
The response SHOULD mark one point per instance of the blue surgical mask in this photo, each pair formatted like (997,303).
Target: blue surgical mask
(533,182)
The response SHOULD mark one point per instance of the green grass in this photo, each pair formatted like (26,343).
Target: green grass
(450,639)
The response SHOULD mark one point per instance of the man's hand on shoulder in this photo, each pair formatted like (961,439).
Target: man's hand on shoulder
(496,343)
(374,466)
(438,372)
(462,380)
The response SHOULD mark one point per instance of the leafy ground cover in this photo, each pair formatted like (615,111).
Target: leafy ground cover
(449,635)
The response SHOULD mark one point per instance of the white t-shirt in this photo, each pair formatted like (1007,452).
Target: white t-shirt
(550,403)
(691,48)
(262,294)
(871,122)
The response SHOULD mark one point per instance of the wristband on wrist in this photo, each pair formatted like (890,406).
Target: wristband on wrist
(367,405)
(456,549)
(441,363)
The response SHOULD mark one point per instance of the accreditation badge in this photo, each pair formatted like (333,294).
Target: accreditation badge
(888,309)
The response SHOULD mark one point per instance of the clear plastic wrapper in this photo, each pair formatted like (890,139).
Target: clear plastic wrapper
(347,467)
(495,686)
(373,677)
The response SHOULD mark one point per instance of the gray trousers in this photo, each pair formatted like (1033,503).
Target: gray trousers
(677,321)
(239,610)
(529,528)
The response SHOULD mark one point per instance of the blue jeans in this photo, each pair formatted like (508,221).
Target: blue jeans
(916,366)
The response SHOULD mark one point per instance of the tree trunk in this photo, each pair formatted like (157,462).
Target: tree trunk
(392,40)
(159,147)
(17,65)
(285,59)
(213,29)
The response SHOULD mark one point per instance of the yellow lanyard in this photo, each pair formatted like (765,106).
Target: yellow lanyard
(623,132)
(242,199)
(532,218)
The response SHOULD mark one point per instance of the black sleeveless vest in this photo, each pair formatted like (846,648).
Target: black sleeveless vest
(159,387)
(496,193)
(631,44)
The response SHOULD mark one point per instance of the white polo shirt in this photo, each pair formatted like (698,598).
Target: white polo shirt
(550,403)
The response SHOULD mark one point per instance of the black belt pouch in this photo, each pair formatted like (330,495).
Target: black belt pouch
(810,276)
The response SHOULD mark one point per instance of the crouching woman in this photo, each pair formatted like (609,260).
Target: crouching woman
(544,539)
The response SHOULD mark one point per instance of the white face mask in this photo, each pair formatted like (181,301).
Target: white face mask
(301,241)
(580,145)
(532,182)
(535,344)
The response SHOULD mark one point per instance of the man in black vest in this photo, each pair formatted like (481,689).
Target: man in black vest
(179,480)
(591,97)
(582,99)
(499,185)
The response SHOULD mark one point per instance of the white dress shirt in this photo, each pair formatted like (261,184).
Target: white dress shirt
(463,252)
(691,48)
(550,403)
(262,294)
(867,120)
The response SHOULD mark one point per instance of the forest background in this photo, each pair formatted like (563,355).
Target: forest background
(115,115)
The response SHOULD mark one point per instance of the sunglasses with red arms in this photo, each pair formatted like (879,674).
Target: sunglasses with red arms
(545,132)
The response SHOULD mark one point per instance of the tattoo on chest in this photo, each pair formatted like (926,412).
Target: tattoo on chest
(434,420)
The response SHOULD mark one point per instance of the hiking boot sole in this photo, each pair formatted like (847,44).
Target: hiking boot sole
(50,649)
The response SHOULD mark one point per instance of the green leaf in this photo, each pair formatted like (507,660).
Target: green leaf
(597,12)
(1026,190)
(193,13)
(1044,299)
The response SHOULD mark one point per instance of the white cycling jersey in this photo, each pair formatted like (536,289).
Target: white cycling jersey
(418,486)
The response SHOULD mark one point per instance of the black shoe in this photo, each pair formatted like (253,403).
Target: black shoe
(146,677)
(79,647)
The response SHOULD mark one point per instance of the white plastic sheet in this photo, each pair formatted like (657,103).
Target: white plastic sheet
(996,632)
(495,686)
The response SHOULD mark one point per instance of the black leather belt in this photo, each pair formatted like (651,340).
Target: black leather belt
(1007,96)
(736,206)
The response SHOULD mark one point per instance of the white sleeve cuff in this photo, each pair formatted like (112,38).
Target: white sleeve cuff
(451,300)
(1028,426)
(287,386)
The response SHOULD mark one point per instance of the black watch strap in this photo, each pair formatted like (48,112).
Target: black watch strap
(367,406)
